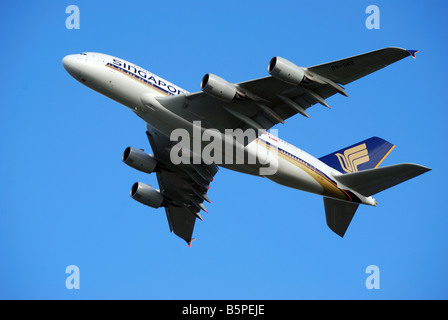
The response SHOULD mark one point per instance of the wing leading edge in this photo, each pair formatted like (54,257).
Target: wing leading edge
(264,102)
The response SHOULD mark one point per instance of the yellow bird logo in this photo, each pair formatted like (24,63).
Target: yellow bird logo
(353,157)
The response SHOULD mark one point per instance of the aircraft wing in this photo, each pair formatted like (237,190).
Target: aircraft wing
(350,69)
(262,103)
(183,186)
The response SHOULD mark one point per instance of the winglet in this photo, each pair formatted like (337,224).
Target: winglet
(412,53)
(189,243)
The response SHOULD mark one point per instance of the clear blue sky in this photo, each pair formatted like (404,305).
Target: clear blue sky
(64,192)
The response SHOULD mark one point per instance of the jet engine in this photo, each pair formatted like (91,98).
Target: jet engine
(286,71)
(139,160)
(146,194)
(218,87)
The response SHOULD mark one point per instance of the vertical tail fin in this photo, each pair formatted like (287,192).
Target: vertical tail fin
(339,214)
(364,155)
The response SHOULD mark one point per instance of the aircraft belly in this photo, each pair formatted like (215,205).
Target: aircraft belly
(160,117)
(293,176)
(298,174)
(242,168)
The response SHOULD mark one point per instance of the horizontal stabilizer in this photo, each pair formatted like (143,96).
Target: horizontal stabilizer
(372,181)
(339,214)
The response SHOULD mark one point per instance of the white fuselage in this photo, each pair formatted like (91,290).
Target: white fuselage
(137,89)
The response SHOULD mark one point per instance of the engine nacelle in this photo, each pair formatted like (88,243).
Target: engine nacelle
(218,87)
(286,71)
(146,194)
(139,160)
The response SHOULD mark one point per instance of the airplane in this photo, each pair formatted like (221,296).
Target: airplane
(345,178)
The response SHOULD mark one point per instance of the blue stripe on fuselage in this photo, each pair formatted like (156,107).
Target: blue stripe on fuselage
(152,84)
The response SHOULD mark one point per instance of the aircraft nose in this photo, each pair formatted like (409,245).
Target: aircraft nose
(69,62)
(75,64)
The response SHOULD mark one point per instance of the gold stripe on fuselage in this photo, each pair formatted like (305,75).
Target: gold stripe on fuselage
(330,188)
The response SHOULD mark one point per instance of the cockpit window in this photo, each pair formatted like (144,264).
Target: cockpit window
(82,53)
